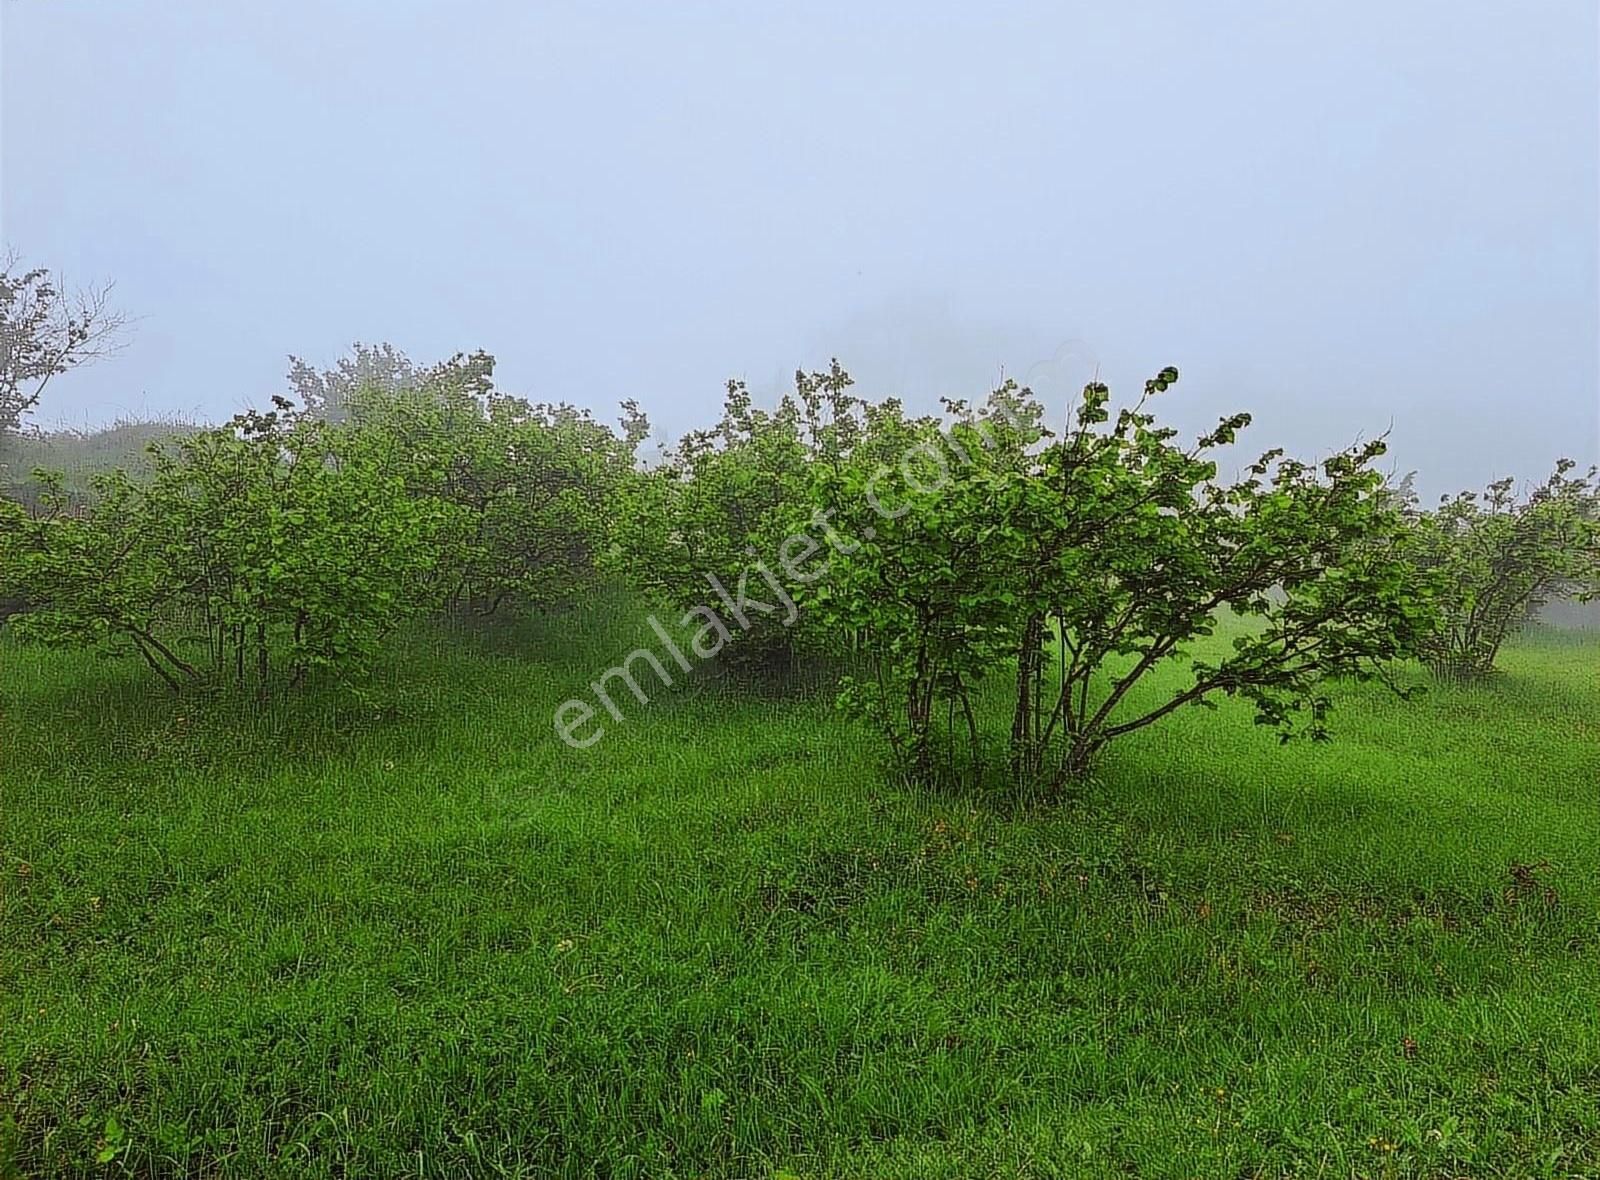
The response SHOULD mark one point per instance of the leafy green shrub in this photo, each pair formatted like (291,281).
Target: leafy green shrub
(924,590)
(1086,561)
(1498,559)
(285,541)
(261,549)
(88,575)
(527,492)
(706,530)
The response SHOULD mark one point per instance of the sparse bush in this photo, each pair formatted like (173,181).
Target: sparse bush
(46,331)
(1498,558)
(331,394)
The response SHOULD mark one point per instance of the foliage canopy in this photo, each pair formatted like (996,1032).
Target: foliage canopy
(1497,558)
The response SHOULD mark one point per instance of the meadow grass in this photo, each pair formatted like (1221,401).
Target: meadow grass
(411,933)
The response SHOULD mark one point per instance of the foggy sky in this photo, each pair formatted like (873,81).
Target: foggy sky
(1345,217)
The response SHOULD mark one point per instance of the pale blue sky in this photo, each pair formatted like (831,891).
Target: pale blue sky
(1342,216)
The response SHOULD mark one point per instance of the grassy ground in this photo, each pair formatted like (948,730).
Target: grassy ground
(421,937)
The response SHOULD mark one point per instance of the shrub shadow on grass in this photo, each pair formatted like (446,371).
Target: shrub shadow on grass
(562,635)
(112,707)
(810,677)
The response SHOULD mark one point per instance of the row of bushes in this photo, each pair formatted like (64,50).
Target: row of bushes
(979,543)
(282,542)
(937,550)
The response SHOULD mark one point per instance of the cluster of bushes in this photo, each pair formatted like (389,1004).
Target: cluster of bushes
(954,548)
(979,543)
(282,542)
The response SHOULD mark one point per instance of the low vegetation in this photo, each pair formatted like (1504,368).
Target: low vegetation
(959,547)
(419,936)
(1500,558)
(929,870)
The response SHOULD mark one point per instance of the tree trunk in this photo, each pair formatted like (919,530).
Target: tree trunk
(1025,715)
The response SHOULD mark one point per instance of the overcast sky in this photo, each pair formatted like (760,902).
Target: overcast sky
(1345,217)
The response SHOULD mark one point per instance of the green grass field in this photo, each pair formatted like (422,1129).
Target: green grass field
(416,935)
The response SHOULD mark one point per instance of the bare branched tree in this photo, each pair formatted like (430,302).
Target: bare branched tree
(44,332)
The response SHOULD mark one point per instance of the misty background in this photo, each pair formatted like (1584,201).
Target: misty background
(1344,217)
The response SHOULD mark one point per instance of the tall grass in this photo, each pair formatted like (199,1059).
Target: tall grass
(414,934)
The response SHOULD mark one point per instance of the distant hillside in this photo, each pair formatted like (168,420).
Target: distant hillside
(81,454)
